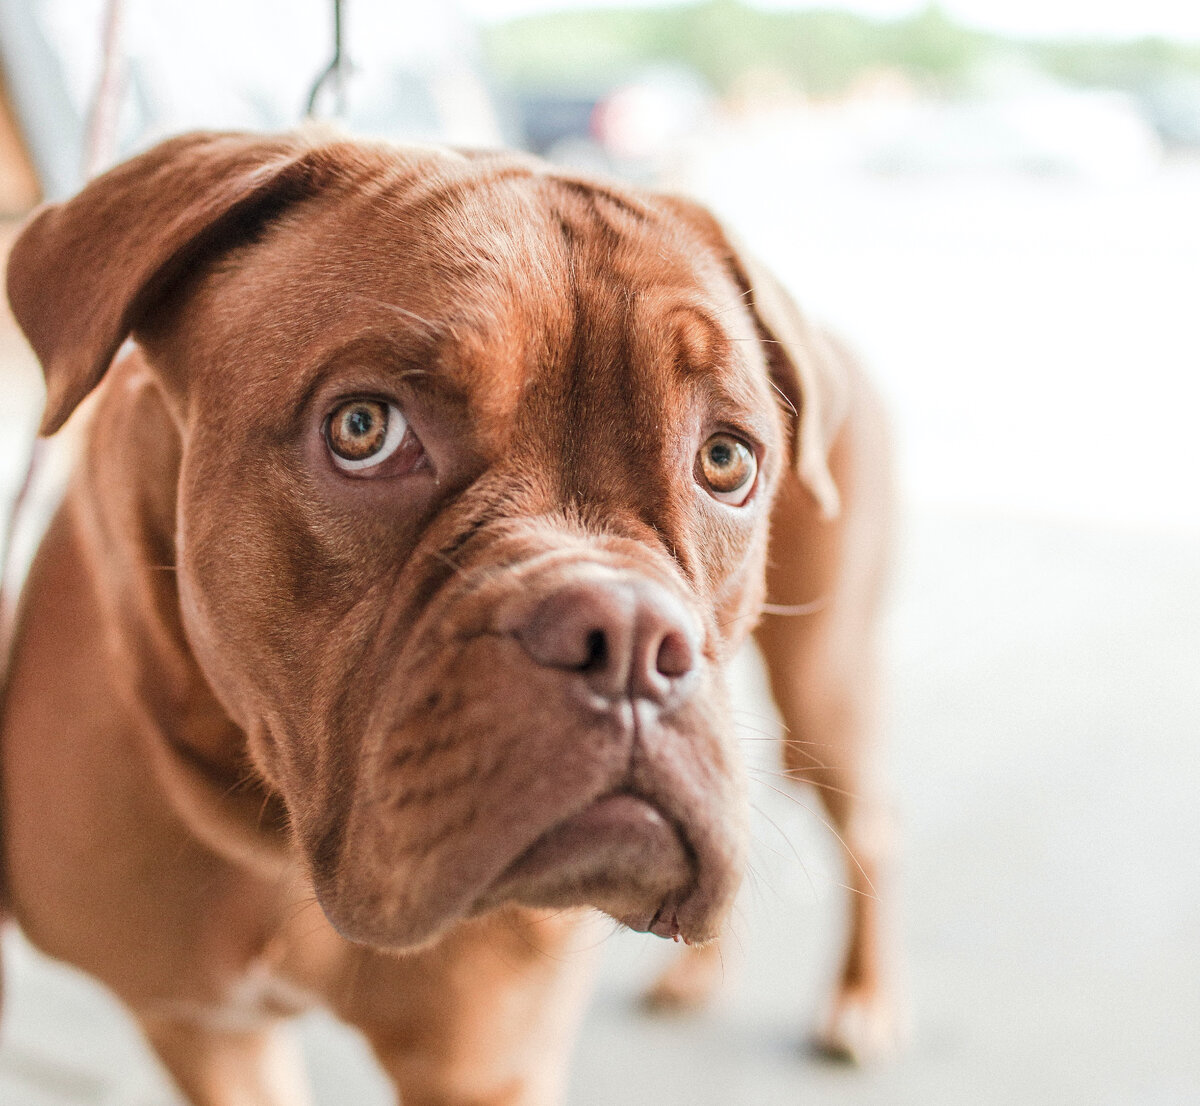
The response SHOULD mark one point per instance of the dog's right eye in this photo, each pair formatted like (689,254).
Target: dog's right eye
(363,433)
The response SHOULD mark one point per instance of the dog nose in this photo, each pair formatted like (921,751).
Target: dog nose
(624,638)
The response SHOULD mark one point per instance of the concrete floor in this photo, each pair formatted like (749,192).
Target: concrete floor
(1045,669)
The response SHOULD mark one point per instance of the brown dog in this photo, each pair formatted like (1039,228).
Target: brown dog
(409,544)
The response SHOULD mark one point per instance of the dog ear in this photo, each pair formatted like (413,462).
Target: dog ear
(84,272)
(804,364)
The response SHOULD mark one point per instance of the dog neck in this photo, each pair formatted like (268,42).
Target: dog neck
(122,501)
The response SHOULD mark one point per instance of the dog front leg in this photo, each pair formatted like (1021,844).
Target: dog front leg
(216,1066)
(421,1083)
(490,1055)
(485,1017)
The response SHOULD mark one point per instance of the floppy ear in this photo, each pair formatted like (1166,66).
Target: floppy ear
(83,273)
(804,364)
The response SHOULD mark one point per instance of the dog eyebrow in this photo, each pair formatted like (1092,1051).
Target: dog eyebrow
(700,343)
(433,332)
(380,350)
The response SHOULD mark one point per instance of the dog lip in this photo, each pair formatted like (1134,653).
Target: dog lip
(618,841)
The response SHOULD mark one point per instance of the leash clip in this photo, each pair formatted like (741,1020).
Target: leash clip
(335,73)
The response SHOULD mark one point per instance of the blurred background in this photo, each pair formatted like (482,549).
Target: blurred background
(998,204)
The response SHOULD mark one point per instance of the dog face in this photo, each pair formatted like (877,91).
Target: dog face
(477,462)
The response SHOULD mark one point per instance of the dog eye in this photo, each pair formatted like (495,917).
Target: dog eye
(363,433)
(727,467)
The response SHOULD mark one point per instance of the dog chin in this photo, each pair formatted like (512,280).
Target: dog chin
(620,854)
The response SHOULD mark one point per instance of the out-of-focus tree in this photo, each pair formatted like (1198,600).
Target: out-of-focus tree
(821,52)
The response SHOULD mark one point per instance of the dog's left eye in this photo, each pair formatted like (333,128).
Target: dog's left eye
(363,433)
(727,467)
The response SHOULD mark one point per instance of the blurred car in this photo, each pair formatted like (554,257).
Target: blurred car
(631,127)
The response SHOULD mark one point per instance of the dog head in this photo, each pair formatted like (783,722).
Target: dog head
(477,459)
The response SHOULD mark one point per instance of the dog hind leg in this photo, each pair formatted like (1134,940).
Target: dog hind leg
(823,664)
(862,1022)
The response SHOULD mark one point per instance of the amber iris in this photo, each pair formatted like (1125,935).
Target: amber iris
(358,429)
(727,464)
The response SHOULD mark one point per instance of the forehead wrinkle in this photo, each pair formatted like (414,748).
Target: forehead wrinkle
(434,190)
(484,363)
(499,348)
(482,272)
(723,372)
(480,227)
(594,191)
(595,222)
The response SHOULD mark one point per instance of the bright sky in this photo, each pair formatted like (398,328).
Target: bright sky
(1119,18)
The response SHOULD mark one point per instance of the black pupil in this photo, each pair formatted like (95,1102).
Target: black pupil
(360,422)
(720,454)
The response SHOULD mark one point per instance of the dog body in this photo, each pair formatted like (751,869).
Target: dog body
(408,548)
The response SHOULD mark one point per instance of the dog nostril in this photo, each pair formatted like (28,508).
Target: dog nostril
(622,638)
(675,655)
(596,652)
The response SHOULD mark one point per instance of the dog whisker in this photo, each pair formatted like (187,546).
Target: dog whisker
(764,735)
(736,920)
(431,329)
(793,775)
(771,719)
(784,743)
(721,957)
(306,903)
(759,843)
(241,783)
(452,564)
(830,827)
(790,405)
(803,749)
(262,810)
(791,845)
(758,715)
(794,609)
(532,946)
(871,895)
(350,984)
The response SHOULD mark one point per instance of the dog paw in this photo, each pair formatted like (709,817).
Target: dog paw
(863,1028)
(688,982)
